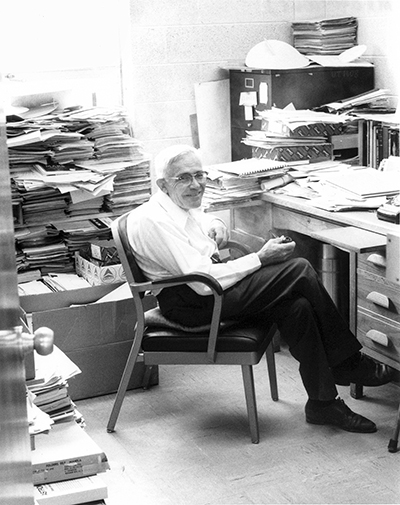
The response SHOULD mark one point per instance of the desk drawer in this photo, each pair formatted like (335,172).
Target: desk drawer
(380,336)
(378,295)
(374,262)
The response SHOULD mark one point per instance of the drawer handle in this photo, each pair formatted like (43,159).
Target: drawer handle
(378,337)
(379,299)
(377,259)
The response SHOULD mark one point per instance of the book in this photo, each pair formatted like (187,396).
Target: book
(248,167)
(83,490)
(66,452)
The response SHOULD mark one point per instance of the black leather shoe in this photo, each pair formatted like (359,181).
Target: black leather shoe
(339,414)
(367,373)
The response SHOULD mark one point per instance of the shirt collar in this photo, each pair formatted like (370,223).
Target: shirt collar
(179,215)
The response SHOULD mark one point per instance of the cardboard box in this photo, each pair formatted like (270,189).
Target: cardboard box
(97,338)
(48,301)
(97,275)
(102,367)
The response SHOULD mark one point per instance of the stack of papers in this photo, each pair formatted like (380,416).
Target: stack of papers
(370,101)
(241,181)
(132,187)
(304,122)
(326,36)
(52,283)
(288,149)
(366,183)
(338,187)
(42,247)
(223,189)
(77,234)
(49,389)
(71,156)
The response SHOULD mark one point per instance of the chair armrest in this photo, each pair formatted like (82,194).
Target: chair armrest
(177,280)
(217,293)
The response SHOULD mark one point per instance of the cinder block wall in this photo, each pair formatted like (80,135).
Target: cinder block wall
(178,43)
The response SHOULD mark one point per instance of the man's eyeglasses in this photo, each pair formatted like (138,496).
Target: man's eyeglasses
(186,178)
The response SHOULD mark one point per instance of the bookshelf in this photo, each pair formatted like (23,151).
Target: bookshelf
(378,139)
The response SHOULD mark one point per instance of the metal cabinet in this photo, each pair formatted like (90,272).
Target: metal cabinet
(305,88)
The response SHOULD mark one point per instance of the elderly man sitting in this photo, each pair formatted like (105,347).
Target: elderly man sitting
(171,235)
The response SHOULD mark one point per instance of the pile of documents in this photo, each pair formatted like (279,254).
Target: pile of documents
(373,101)
(43,205)
(76,234)
(292,135)
(63,162)
(336,186)
(327,36)
(132,187)
(41,248)
(241,181)
(48,391)
(52,283)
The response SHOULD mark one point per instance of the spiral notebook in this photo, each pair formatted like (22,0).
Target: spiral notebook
(250,167)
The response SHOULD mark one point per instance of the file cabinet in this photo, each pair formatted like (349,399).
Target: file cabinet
(378,309)
(305,88)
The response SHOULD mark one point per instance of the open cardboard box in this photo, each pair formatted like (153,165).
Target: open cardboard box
(97,337)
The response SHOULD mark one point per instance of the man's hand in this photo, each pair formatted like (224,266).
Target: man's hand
(219,232)
(276,250)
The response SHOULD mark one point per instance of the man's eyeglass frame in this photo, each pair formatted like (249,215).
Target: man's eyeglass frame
(186,178)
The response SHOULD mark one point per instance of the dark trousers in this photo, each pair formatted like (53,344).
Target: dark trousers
(292,295)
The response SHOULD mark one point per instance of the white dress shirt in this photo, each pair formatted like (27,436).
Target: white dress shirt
(168,240)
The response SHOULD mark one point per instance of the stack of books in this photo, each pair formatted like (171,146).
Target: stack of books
(327,36)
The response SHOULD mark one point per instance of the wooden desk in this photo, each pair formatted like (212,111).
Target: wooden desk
(279,212)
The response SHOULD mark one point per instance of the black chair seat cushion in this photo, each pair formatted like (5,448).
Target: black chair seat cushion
(239,338)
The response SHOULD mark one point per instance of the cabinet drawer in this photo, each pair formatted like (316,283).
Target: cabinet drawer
(378,295)
(374,262)
(379,335)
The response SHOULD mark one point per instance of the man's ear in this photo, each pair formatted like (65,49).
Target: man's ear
(162,185)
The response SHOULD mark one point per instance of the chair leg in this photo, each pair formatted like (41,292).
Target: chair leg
(123,386)
(392,446)
(273,384)
(250,394)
